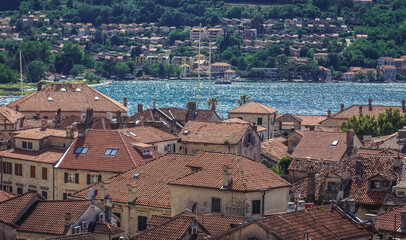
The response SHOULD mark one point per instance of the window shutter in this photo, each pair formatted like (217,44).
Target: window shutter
(11,169)
(77,177)
(11,189)
(88,178)
(44,173)
(66,177)
(32,171)
(100,178)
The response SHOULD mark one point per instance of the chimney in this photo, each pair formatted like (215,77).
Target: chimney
(131,194)
(69,133)
(108,205)
(102,191)
(403,220)
(139,110)
(39,86)
(349,205)
(227,177)
(328,113)
(191,110)
(403,106)
(125,101)
(154,103)
(360,110)
(342,107)
(358,168)
(311,185)
(350,139)
(81,129)
(370,104)
(44,122)
(254,127)
(68,219)
(89,116)
(397,161)
(373,218)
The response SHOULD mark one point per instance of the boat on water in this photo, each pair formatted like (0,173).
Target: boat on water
(222,81)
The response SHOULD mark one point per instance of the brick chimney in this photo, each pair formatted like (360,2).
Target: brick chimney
(44,123)
(154,103)
(370,104)
(125,101)
(349,205)
(39,86)
(358,168)
(342,107)
(360,110)
(328,113)
(68,219)
(139,108)
(227,177)
(89,116)
(108,205)
(69,133)
(373,218)
(311,185)
(191,110)
(403,106)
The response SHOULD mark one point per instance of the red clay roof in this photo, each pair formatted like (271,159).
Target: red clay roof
(318,145)
(148,134)
(274,148)
(213,132)
(105,228)
(70,100)
(387,219)
(80,236)
(50,155)
(8,115)
(48,217)
(98,142)
(321,222)
(12,208)
(247,175)
(253,107)
(5,195)
(150,187)
(38,133)
(354,111)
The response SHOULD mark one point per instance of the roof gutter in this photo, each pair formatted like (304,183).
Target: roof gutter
(64,154)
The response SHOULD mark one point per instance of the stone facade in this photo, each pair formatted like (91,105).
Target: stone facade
(263,120)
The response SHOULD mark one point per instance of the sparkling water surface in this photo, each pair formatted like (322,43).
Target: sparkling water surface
(286,97)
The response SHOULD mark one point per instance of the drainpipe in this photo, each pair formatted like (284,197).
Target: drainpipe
(2,170)
(263,204)
(53,182)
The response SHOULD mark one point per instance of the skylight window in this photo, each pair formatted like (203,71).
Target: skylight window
(164,122)
(126,134)
(111,152)
(63,89)
(81,150)
(135,135)
(334,143)
(49,98)
(77,89)
(138,121)
(96,98)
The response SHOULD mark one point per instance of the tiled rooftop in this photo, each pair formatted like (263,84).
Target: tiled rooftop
(49,155)
(274,148)
(253,107)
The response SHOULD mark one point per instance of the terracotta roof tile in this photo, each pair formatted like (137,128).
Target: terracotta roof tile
(307,120)
(49,216)
(321,222)
(68,101)
(274,148)
(238,120)
(318,145)
(5,195)
(98,142)
(387,219)
(38,133)
(156,220)
(80,236)
(253,107)
(49,155)
(151,186)
(8,115)
(354,111)
(149,134)
(213,132)
(104,228)
(12,208)
(247,175)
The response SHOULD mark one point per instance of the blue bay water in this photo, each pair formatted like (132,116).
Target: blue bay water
(298,97)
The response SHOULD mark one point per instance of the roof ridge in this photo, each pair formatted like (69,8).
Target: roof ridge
(128,151)
(115,102)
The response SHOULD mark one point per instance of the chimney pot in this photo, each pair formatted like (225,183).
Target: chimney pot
(125,101)
(342,107)
(328,113)
(131,194)
(373,218)
(227,176)
(68,219)
(39,86)
(370,104)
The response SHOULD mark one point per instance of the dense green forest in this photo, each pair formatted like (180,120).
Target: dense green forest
(383,21)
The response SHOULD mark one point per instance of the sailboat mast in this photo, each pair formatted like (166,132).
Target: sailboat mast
(209,70)
(21,76)
(198,73)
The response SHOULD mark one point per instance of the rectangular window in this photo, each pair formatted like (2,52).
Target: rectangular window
(81,150)
(18,169)
(32,171)
(142,223)
(93,178)
(375,184)
(27,145)
(7,168)
(19,190)
(45,194)
(44,173)
(8,188)
(111,152)
(119,218)
(385,184)
(331,186)
(249,136)
(72,178)
(259,121)
(239,117)
(66,195)
(215,204)
(256,207)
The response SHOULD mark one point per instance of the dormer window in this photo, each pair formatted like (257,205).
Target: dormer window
(81,150)
(111,152)
(379,184)
(27,145)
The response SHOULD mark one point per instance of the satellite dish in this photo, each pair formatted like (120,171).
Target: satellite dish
(92,194)
(340,195)
(194,207)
